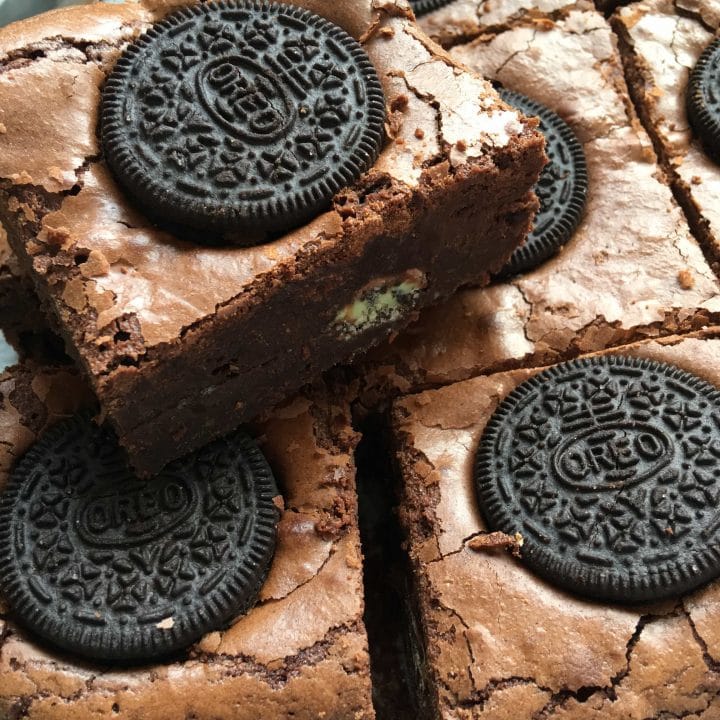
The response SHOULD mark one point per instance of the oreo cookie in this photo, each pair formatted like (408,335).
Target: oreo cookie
(703,99)
(562,188)
(111,567)
(610,470)
(241,116)
(421,7)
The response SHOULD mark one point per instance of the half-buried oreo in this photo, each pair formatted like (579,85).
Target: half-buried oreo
(562,188)
(421,7)
(610,470)
(703,99)
(111,567)
(241,116)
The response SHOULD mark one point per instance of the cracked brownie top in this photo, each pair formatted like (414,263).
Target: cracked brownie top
(661,41)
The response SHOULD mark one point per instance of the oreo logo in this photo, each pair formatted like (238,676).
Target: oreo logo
(134,515)
(611,457)
(245,99)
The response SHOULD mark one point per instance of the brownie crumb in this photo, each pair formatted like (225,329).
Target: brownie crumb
(686,279)
(56,236)
(495,540)
(461,145)
(419,133)
(400,103)
(696,180)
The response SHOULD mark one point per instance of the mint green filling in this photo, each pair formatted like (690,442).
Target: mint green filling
(376,307)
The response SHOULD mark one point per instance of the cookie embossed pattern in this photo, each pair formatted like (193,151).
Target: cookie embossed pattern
(232,115)
(115,568)
(610,469)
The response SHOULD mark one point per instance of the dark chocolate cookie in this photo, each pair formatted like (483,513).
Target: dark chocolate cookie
(241,116)
(610,470)
(425,6)
(115,568)
(703,99)
(562,188)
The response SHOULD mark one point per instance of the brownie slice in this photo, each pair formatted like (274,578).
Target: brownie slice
(661,40)
(183,342)
(301,652)
(498,641)
(632,269)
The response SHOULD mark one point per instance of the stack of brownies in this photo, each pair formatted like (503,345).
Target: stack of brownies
(490,228)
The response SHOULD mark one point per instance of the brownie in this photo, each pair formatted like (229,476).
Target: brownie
(661,40)
(183,342)
(301,652)
(632,269)
(498,641)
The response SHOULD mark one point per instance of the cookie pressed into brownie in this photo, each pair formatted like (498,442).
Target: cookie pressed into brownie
(661,42)
(183,342)
(497,641)
(632,268)
(300,652)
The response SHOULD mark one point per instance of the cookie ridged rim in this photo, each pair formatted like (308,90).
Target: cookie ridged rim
(227,600)
(422,7)
(294,206)
(705,124)
(666,582)
(530,256)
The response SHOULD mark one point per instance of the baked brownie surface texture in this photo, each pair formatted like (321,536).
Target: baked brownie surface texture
(182,342)
(661,41)
(631,270)
(502,643)
(300,652)
(462,20)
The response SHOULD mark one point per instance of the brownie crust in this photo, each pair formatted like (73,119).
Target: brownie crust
(300,652)
(254,323)
(499,641)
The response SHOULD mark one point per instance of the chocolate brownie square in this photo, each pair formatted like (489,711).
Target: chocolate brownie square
(500,642)
(661,41)
(632,268)
(300,652)
(183,342)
